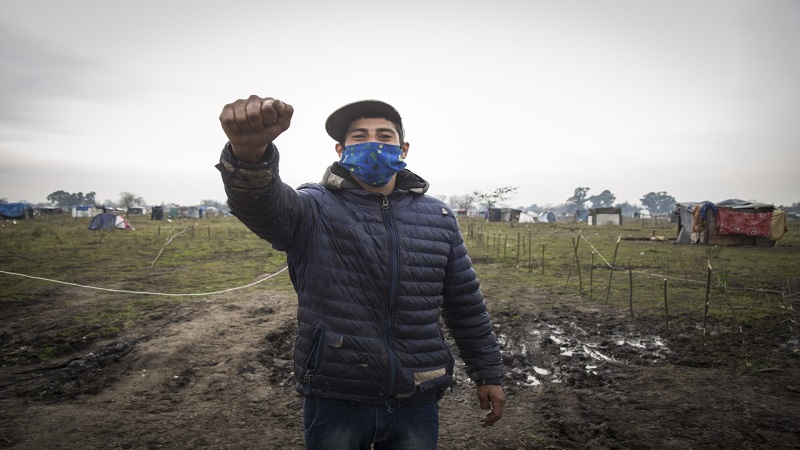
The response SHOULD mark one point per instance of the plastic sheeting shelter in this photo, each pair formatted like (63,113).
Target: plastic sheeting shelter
(504,215)
(730,223)
(16,211)
(108,221)
(547,216)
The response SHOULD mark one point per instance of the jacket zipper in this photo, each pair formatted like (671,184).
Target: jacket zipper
(312,363)
(393,280)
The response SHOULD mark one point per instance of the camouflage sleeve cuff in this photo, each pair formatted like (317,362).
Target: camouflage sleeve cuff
(248,178)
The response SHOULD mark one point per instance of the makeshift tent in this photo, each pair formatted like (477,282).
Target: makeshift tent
(84,211)
(157,213)
(16,211)
(605,216)
(504,215)
(730,222)
(547,216)
(50,210)
(106,221)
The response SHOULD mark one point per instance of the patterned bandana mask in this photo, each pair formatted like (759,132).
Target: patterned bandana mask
(373,163)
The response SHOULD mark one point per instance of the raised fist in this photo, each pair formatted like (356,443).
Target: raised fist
(252,124)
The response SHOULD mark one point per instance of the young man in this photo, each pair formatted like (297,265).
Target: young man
(375,263)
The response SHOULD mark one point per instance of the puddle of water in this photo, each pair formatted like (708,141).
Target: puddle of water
(576,348)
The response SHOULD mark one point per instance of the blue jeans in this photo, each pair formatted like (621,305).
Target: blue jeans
(343,425)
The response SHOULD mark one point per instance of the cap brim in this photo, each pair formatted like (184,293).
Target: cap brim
(339,121)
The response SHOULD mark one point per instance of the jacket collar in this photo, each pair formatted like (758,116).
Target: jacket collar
(338,178)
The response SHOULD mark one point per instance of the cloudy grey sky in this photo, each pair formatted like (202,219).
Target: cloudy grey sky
(697,98)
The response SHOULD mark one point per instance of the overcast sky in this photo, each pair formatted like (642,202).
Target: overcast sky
(700,99)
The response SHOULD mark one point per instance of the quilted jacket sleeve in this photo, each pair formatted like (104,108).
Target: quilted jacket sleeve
(258,197)
(464,313)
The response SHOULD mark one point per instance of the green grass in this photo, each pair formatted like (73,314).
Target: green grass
(521,268)
(752,282)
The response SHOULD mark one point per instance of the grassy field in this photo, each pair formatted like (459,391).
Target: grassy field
(194,258)
(756,281)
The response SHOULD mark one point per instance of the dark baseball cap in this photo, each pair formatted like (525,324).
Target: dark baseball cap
(339,121)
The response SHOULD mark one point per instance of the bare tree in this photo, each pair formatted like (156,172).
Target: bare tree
(490,199)
(128,199)
(463,201)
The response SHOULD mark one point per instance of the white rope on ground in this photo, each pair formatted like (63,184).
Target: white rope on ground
(123,291)
(667,277)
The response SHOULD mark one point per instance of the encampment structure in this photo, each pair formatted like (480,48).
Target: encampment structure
(84,210)
(108,221)
(504,215)
(605,216)
(547,216)
(730,223)
(16,211)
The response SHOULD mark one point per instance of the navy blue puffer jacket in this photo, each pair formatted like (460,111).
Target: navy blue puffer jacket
(373,275)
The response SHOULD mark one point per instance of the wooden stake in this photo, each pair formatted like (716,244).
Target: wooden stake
(613,267)
(708,296)
(666,308)
(575,244)
(630,299)
(530,254)
(543,247)
(591,279)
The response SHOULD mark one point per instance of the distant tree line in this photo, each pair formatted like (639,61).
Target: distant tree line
(67,200)
(658,203)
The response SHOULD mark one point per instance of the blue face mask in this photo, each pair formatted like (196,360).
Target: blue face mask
(374,163)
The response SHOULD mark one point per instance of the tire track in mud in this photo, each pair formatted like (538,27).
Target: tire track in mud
(201,367)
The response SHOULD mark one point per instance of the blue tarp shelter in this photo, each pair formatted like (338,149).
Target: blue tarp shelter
(16,211)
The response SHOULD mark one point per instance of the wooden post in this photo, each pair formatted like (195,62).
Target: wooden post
(708,297)
(591,279)
(630,278)
(543,247)
(666,308)
(575,245)
(530,254)
(519,247)
(505,246)
(613,267)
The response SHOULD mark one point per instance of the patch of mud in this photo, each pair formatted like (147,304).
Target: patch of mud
(218,374)
(84,374)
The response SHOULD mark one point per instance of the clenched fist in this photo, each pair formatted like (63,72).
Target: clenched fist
(252,124)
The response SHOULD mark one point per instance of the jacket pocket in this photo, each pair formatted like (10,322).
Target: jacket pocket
(420,380)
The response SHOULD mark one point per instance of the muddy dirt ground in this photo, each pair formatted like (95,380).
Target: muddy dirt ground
(214,374)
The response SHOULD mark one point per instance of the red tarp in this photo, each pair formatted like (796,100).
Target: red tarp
(745,223)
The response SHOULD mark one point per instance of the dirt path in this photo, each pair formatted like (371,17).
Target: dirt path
(215,374)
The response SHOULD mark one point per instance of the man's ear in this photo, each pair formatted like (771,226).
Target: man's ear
(404,149)
(339,149)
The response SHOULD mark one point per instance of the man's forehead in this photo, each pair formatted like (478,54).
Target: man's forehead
(375,123)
